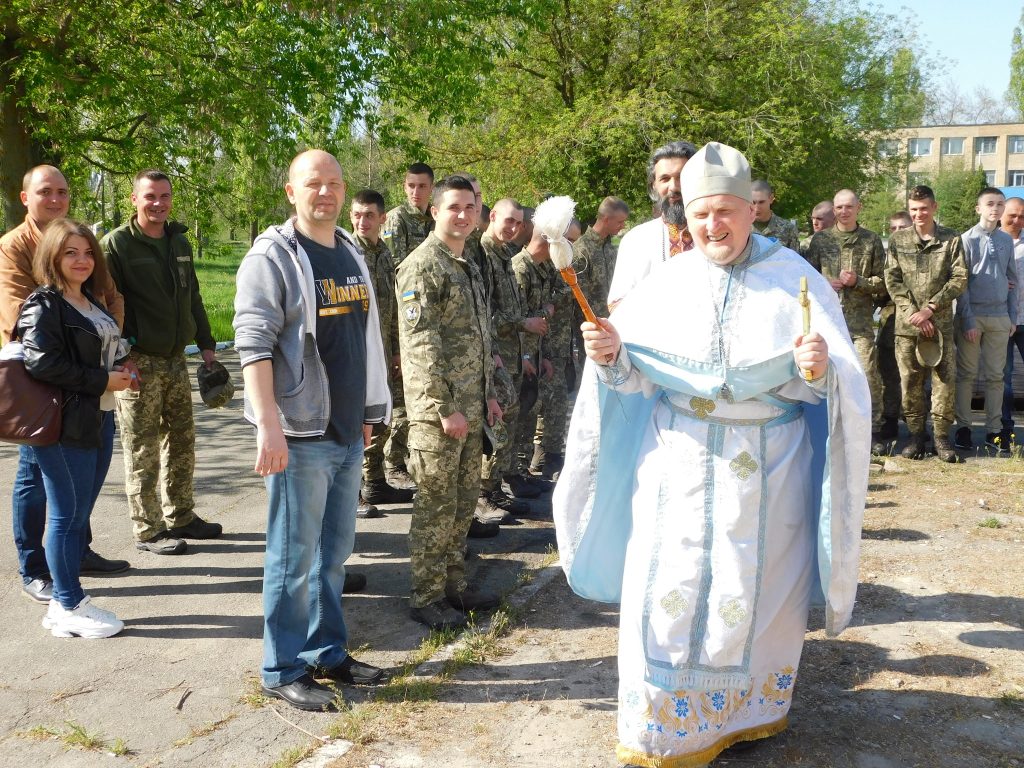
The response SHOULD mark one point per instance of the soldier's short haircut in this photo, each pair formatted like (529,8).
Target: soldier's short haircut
(822,206)
(507,202)
(370,197)
(527,213)
(991,191)
(152,174)
(466,175)
(1015,200)
(903,216)
(760,185)
(676,149)
(922,192)
(455,181)
(612,205)
(418,169)
(27,178)
(485,211)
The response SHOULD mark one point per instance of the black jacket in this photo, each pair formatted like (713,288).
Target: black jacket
(62,347)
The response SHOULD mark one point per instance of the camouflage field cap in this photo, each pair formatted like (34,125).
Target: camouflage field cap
(495,436)
(215,385)
(929,350)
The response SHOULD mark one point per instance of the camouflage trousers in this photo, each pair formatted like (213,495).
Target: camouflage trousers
(396,447)
(158,438)
(447,475)
(986,356)
(867,352)
(500,463)
(525,426)
(554,403)
(373,457)
(888,371)
(913,375)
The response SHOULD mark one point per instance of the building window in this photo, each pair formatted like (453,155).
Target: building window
(919,147)
(1016,178)
(1017,144)
(985,145)
(952,146)
(990,178)
(888,147)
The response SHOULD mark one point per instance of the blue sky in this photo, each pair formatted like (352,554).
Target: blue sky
(974,37)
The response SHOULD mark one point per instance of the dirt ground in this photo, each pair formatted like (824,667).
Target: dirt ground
(930,674)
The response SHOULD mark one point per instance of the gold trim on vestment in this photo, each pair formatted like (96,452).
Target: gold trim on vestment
(705,756)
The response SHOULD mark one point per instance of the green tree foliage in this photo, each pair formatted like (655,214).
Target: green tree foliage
(1015,91)
(576,104)
(122,84)
(956,191)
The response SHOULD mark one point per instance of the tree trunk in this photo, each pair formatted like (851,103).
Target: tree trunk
(18,152)
(254,231)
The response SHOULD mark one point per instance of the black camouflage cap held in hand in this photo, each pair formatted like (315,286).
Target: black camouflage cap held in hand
(215,385)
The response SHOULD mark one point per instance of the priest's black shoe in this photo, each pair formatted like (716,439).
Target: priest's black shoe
(350,672)
(305,693)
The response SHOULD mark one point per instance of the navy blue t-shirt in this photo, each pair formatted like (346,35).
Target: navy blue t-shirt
(342,306)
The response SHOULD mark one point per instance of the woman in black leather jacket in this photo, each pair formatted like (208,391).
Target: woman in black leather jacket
(69,340)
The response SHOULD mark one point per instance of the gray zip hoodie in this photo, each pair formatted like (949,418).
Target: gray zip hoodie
(990,270)
(275,318)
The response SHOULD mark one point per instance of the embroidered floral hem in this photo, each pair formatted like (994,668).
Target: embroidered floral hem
(705,756)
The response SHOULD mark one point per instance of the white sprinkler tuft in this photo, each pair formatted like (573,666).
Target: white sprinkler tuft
(552,218)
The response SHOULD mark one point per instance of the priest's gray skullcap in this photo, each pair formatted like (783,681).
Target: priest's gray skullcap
(716,169)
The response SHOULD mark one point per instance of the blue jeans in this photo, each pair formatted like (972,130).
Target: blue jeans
(1016,342)
(72,478)
(311,528)
(28,507)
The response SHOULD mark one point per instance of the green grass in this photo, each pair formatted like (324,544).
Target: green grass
(216,273)
(990,522)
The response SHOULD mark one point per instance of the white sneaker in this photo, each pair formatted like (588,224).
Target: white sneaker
(84,620)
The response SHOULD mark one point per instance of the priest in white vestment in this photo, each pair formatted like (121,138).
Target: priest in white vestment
(715,478)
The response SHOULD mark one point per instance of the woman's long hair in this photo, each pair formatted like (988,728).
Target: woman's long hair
(50,251)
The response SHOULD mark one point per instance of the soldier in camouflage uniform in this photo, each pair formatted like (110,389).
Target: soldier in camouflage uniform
(822,217)
(594,254)
(509,320)
(549,438)
(852,259)
(888,370)
(925,272)
(150,260)
(367,213)
(533,278)
(447,371)
(404,229)
(769,224)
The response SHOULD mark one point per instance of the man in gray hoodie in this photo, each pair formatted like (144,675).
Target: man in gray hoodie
(308,337)
(986,316)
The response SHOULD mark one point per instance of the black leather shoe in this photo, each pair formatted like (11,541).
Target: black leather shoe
(94,563)
(379,492)
(439,616)
(521,487)
(40,590)
(163,544)
(481,530)
(472,600)
(351,672)
(503,501)
(198,529)
(305,693)
(354,582)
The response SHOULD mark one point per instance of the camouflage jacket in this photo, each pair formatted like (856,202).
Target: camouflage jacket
(382,275)
(442,325)
(404,229)
(559,338)
(919,273)
(782,230)
(594,259)
(860,251)
(536,291)
(506,303)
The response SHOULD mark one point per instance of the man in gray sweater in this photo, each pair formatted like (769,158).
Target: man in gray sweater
(986,316)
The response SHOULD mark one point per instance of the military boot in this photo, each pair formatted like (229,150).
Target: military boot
(487,511)
(522,488)
(379,492)
(945,451)
(890,428)
(915,448)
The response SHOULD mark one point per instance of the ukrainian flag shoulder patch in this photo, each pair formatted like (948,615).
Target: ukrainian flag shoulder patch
(409,296)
